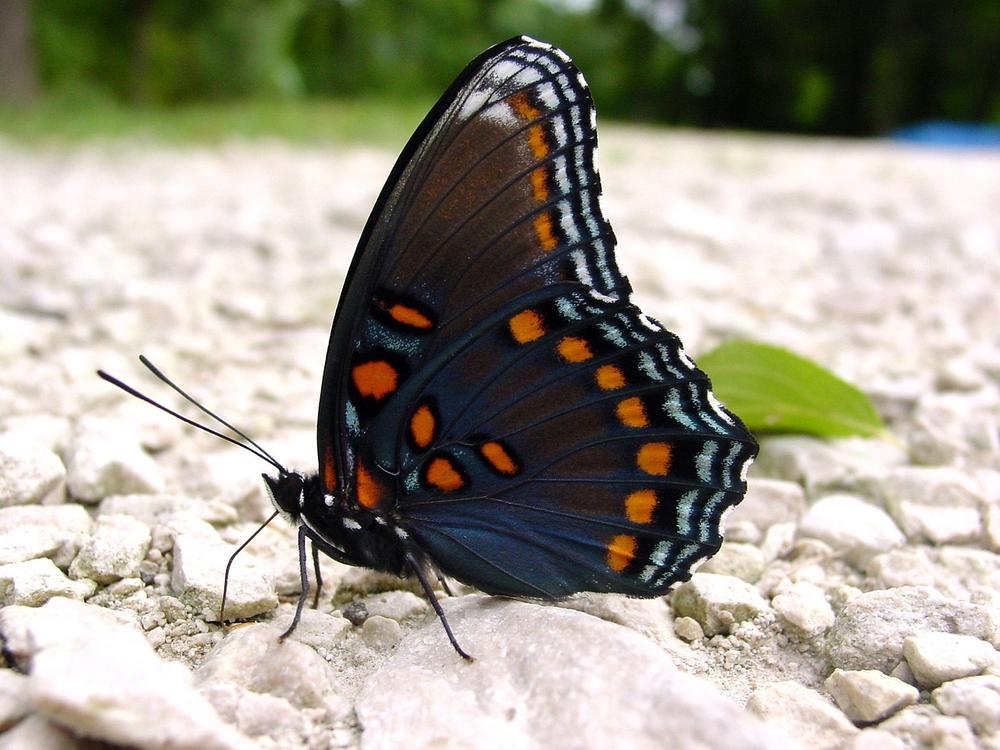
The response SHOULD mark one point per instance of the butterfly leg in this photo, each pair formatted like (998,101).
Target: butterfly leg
(425,583)
(304,576)
(319,577)
(444,583)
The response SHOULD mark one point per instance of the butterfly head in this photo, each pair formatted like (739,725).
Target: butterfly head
(287,492)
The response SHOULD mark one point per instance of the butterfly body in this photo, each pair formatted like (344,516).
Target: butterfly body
(493,406)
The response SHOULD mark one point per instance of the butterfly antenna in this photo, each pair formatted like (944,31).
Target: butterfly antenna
(260,452)
(159,373)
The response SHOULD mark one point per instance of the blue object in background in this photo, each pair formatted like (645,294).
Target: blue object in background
(949,134)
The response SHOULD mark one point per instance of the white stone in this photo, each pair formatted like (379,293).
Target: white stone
(922,726)
(803,714)
(396,605)
(260,715)
(874,739)
(938,504)
(15,703)
(55,531)
(34,582)
(717,602)
(743,561)
(151,509)
(935,658)
(803,607)
(104,459)
(542,678)
(779,540)
(27,630)
(114,551)
(868,696)
(107,683)
(851,465)
(851,526)
(41,429)
(869,631)
(199,573)
(315,628)
(29,472)
(688,629)
(253,658)
(976,698)
(381,633)
(651,617)
(36,733)
(767,502)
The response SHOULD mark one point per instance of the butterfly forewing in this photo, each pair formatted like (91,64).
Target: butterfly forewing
(488,380)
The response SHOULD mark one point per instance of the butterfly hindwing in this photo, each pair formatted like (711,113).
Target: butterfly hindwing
(488,379)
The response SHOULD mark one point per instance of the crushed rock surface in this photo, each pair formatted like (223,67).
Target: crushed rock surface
(855,604)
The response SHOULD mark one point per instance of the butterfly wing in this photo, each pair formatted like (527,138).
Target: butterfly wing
(488,380)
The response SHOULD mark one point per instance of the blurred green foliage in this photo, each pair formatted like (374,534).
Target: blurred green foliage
(849,67)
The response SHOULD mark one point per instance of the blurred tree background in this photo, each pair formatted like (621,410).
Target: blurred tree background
(852,67)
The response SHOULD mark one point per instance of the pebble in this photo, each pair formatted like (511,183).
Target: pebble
(769,501)
(114,551)
(153,508)
(253,658)
(717,602)
(976,698)
(381,633)
(37,733)
(262,716)
(396,605)
(29,472)
(869,631)
(743,561)
(30,531)
(688,629)
(937,504)
(315,628)
(867,696)
(851,526)
(107,683)
(40,429)
(822,466)
(936,658)
(556,690)
(34,582)
(102,459)
(803,607)
(802,713)
(874,739)
(922,726)
(199,574)
(15,702)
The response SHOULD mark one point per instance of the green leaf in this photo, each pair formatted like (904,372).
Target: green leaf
(774,390)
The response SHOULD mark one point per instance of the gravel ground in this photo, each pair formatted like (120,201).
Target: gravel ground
(854,605)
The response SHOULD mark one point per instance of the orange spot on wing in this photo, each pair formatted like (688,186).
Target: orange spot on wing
(527,326)
(423,426)
(655,458)
(540,184)
(410,316)
(329,470)
(574,349)
(442,474)
(621,551)
(639,506)
(523,106)
(375,379)
(369,490)
(610,378)
(632,413)
(545,231)
(537,141)
(499,458)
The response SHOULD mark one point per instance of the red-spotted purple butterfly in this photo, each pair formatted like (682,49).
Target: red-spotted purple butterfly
(493,407)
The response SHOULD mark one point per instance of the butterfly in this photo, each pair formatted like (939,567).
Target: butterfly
(493,407)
